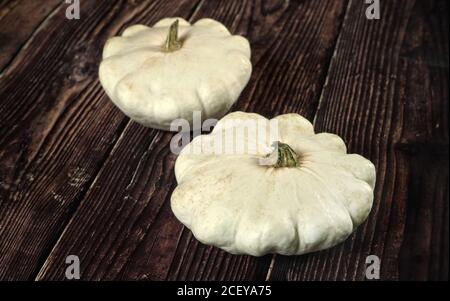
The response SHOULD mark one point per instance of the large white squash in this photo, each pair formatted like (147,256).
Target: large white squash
(304,195)
(161,73)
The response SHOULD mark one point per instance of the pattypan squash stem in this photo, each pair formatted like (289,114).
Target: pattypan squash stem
(172,42)
(286,156)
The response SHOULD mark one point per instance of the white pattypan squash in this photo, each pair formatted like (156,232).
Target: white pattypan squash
(304,195)
(161,73)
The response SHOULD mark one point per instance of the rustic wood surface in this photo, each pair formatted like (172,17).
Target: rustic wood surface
(78,177)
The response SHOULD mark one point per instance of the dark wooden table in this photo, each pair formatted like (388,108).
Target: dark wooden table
(79,178)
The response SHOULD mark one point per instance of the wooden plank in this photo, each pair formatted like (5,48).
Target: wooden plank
(124,228)
(387,96)
(57,127)
(19,20)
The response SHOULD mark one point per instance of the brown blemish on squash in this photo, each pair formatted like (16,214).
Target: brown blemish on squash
(129,85)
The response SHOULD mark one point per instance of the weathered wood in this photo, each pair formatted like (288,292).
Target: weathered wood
(66,153)
(124,228)
(387,96)
(19,20)
(57,127)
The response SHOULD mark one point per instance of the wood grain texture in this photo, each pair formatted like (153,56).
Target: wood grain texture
(387,96)
(19,20)
(136,237)
(57,126)
(78,178)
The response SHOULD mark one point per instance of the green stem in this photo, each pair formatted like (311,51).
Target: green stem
(286,156)
(172,42)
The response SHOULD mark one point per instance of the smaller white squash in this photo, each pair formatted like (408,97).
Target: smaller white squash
(304,195)
(161,73)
